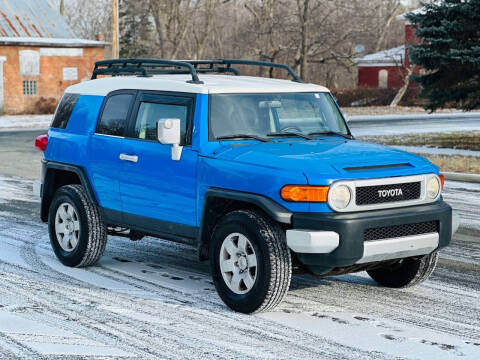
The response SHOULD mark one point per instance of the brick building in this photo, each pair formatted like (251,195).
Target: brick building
(387,68)
(39,55)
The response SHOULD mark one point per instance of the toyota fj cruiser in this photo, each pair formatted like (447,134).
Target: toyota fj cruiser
(261,175)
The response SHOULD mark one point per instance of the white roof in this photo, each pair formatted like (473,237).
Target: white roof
(212,84)
(390,57)
(43,41)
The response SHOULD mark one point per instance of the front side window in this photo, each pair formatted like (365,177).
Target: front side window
(264,114)
(114,116)
(149,114)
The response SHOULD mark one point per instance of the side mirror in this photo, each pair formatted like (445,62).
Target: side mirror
(168,132)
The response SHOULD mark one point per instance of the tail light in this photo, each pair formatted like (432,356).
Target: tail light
(41,142)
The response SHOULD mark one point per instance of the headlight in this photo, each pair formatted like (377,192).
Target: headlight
(340,196)
(433,187)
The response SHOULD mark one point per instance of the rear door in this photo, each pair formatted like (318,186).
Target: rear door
(107,143)
(158,193)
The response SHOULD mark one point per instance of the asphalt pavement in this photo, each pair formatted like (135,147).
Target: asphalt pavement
(153,299)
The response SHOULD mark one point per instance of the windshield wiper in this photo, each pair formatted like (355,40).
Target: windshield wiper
(291,133)
(244,136)
(346,136)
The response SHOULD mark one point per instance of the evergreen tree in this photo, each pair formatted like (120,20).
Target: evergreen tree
(449,53)
(135,29)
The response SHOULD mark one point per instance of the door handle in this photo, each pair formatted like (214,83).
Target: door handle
(131,158)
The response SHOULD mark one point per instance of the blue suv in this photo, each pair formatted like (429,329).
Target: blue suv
(261,175)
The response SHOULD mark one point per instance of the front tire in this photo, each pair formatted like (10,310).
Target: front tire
(250,261)
(407,272)
(77,232)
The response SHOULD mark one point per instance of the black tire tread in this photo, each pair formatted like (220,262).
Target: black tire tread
(410,273)
(280,259)
(97,231)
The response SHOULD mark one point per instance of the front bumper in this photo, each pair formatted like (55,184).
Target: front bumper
(325,241)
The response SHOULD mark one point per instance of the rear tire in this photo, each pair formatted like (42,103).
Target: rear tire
(77,232)
(243,238)
(407,272)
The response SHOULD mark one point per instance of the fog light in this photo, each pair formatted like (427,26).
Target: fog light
(340,196)
(433,187)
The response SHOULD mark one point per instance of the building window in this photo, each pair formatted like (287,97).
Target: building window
(29,87)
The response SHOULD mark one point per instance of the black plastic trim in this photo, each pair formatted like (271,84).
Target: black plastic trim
(47,179)
(273,209)
(210,213)
(351,227)
(181,233)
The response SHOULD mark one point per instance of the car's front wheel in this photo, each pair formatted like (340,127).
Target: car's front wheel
(77,232)
(250,261)
(405,272)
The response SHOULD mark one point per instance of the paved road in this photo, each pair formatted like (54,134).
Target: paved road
(152,299)
(398,127)
(18,156)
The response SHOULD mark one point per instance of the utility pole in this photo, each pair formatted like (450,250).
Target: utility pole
(115,31)
(62,7)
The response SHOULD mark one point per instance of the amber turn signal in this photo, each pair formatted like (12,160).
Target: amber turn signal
(442,180)
(303,193)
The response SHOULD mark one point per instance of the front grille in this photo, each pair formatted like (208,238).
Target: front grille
(390,232)
(380,194)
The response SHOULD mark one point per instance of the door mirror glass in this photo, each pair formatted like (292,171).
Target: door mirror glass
(169,132)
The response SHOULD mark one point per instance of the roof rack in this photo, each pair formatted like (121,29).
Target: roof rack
(142,67)
(149,67)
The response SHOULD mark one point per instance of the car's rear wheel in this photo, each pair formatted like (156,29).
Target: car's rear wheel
(77,232)
(250,261)
(406,272)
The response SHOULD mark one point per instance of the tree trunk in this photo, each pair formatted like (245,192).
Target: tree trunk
(406,81)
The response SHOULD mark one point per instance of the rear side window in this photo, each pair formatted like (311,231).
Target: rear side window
(64,110)
(114,116)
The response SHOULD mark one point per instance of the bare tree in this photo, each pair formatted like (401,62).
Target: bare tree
(88,18)
(316,37)
(172,19)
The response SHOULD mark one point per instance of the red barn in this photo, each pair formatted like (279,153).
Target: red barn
(387,68)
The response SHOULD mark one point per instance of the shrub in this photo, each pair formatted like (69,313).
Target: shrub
(45,105)
(376,97)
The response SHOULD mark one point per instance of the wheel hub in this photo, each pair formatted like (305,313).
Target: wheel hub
(238,263)
(242,262)
(67,227)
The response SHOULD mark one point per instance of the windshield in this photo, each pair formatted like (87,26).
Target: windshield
(265,115)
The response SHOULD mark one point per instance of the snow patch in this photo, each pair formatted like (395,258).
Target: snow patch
(15,122)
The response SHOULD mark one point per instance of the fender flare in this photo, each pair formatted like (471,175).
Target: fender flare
(48,184)
(276,211)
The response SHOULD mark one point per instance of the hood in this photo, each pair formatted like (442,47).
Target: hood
(328,159)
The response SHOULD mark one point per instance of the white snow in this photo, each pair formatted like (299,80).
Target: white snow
(54,41)
(393,128)
(15,189)
(153,299)
(15,122)
(437,151)
(390,57)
